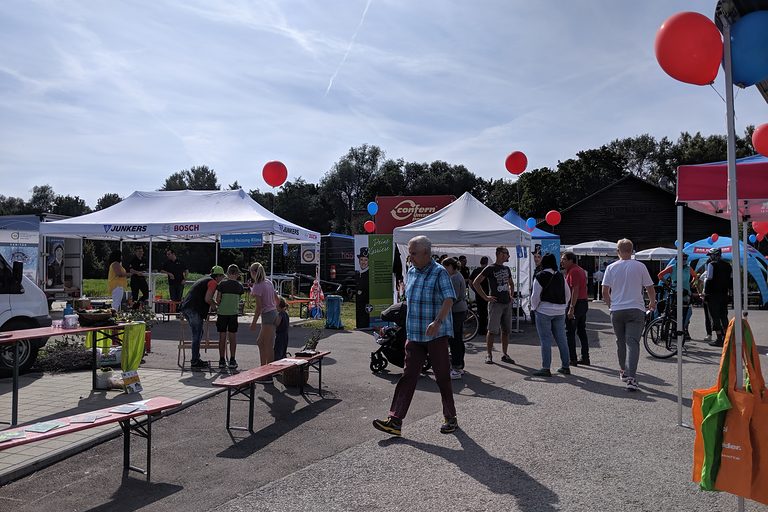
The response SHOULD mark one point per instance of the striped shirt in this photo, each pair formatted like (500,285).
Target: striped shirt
(425,291)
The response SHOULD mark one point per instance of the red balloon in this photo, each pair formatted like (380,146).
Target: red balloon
(760,139)
(369,226)
(516,162)
(761,228)
(275,173)
(689,48)
(553,217)
(714,237)
(760,237)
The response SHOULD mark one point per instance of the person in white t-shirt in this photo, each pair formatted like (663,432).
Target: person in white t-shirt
(623,284)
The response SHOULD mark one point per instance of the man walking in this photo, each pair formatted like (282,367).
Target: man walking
(482,304)
(500,283)
(576,314)
(429,295)
(716,288)
(623,285)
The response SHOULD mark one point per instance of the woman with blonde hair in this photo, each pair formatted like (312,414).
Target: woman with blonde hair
(266,299)
(117,279)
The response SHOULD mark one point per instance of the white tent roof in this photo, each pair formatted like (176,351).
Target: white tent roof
(465,222)
(185,214)
(657,253)
(594,248)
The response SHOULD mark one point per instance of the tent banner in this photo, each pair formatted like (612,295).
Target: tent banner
(396,211)
(236,240)
(373,268)
(21,246)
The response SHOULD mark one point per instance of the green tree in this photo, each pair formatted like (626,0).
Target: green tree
(200,177)
(301,203)
(11,205)
(42,199)
(344,186)
(107,200)
(69,206)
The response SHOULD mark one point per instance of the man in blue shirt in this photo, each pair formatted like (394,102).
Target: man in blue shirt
(429,295)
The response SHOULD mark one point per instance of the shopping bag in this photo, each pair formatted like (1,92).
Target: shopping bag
(706,452)
(758,427)
(734,474)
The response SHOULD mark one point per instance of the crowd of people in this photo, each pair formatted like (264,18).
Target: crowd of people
(436,293)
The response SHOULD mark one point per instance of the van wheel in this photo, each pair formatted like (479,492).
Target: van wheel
(27,349)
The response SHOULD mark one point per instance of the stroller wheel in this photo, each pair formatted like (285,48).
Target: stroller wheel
(378,362)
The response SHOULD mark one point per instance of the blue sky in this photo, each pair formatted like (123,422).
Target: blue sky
(114,96)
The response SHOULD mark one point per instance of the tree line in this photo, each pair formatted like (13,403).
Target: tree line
(338,202)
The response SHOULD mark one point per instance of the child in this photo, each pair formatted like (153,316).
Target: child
(227,297)
(281,338)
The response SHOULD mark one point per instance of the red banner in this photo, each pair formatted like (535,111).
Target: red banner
(396,211)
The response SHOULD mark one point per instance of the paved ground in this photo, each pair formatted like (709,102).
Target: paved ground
(566,443)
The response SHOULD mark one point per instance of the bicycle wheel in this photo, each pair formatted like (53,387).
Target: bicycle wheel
(659,337)
(470,326)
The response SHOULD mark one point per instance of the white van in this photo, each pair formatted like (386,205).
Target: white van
(22,306)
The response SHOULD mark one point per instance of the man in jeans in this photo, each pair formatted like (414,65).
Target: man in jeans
(623,285)
(429,295)
(195,307)
(576,314)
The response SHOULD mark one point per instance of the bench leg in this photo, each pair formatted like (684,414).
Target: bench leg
(317,365)
(250,392)
(141,429)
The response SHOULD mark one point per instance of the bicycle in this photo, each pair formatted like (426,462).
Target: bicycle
(471,323)
(660,333)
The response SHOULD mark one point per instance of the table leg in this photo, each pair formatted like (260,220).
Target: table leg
(93,361)
(15,400)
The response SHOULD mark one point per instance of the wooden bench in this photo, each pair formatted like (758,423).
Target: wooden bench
(244,383)
(130,422)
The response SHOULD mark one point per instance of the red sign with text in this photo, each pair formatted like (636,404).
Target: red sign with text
(396,211)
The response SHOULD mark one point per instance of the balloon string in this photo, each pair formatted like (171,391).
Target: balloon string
(716,92)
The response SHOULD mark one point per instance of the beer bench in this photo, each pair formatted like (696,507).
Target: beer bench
(244,383)
(130,423)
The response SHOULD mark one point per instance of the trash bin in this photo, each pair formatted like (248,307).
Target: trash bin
(333,312)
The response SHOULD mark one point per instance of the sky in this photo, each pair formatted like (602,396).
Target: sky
(115,96)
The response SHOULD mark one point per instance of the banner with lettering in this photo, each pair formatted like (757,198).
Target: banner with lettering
(373,269)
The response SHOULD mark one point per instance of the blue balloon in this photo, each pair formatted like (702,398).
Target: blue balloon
(530,222)
(709,240)
(686,244)
(749,49)
(372,208)
(677,243)
(752,239)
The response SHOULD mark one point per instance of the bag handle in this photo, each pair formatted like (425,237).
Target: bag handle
(750,357)
(754,371)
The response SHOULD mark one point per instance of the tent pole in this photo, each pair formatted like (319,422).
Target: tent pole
(271,256)
(733,199)
(216,250)
(680,319)
(151,281)
(745,270)
(733,204)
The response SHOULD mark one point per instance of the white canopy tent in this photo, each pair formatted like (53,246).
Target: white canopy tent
(594,248)
(188,215)
(656,254)
(468,227)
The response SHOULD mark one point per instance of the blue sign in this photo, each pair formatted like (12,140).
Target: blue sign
(236,240)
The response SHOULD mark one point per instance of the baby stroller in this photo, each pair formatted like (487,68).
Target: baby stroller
(392,340)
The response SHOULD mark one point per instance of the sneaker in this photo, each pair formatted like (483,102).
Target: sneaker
(391,426)
(564,370)
(632,384)
(544,372)
(583,360)
(449,425)
(622,377)
(222,363)
(506,359)
(488,359)
(455,374)
(233,363)
(199,364)
(573,362)
(708,337)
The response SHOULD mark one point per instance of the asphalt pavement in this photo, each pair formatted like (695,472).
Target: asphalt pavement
(578,442)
